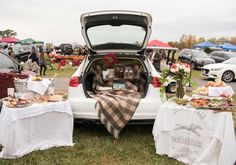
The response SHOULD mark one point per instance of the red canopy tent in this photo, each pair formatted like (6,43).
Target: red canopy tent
(9,40)
(154,44)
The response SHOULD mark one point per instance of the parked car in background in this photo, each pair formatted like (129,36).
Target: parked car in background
(163,57)
(57,49)
(221,56)
(21,48)
(125,35)
(195,58)
(10,69)
(66,49)
(225,71)
(23,56)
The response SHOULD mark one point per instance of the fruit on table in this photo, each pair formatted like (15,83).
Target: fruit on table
(201,102)
(217,83)
(37,78)
(203,90)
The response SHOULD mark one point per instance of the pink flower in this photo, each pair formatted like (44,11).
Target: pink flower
(186,65)
(174,66)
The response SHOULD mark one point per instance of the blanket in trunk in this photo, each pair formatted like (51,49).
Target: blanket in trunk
(115,108)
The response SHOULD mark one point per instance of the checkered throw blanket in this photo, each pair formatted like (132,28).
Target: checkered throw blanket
(115,108)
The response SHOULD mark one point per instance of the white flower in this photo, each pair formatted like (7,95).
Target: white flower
(173,70)
(187,70)
(177,69)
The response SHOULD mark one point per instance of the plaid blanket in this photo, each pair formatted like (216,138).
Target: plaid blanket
(115,108)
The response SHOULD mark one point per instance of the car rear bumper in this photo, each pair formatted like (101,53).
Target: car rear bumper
(85,109)
(98,122)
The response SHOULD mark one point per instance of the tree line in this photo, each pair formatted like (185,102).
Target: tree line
(7,33)
(187,41)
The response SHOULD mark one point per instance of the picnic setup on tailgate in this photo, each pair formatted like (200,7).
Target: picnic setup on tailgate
(117,84)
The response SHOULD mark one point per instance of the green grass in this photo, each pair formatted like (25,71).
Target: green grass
(234,114)
(61,73)
(94,145)
(196,74)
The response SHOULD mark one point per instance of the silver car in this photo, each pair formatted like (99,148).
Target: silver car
(125,35)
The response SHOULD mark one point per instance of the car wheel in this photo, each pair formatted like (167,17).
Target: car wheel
(171,88)
(228,76)
(193,65)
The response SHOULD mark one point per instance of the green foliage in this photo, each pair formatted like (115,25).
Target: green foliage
(193,83)
(163,79)
(49,47)
(7,33)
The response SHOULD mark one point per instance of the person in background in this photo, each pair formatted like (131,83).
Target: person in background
(32,63)
(42,65)
(11,53)
(33,55)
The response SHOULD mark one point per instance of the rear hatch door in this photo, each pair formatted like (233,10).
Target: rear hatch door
(116,31)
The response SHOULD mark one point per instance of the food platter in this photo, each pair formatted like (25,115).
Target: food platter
(19,106)
(18,103)
(55,98)
(215,96)
(214,108)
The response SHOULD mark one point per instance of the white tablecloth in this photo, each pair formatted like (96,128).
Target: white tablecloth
(38,86)
(37,127)
(193,136)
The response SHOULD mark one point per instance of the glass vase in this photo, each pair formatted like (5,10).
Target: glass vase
(180,92)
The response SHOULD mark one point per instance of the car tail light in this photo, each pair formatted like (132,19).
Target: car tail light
(155,82)
(74,81)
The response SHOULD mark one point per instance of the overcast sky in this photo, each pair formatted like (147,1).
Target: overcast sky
(58,21)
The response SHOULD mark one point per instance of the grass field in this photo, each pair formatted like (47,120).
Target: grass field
(67,71)
(95,146)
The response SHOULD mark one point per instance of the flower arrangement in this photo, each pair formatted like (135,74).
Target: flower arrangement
(179,72)
(109,59)
(181,75)
(180,69)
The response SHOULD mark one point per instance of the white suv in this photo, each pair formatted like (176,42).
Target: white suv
(125,35)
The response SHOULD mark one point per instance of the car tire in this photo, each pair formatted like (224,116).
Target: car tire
(171,88)
(193,65)
(228,76)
